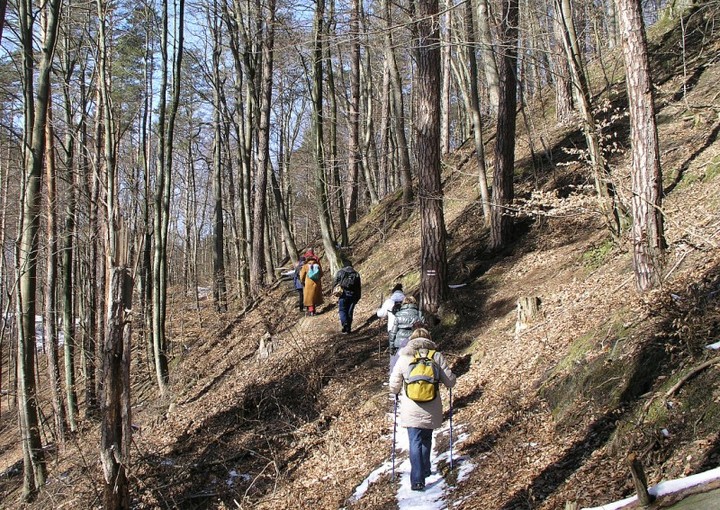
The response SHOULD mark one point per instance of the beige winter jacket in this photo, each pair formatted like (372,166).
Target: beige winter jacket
(426,415)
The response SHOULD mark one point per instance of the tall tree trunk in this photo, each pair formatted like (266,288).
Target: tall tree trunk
(503,190)
(386,158)
(114,364)
(257,263)
(337,197)
(369,144)
(68,248)
(51,283)
(647,227)
(433,284)
(115,429)
(474,108)
(219,285)
(320,162)
(238,198)
(446,76)
(36,97)
(96,274)
(354,117)
(4,171)
(488,53)
(163,178)
(564,104)
(611,23)
(398,111)
(146,262)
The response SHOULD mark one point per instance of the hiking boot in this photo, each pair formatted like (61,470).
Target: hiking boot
(418,487)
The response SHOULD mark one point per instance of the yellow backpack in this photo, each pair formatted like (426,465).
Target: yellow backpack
(422,377)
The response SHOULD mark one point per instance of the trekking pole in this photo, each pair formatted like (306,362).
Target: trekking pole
(379,338)
(392,454)
(451,435)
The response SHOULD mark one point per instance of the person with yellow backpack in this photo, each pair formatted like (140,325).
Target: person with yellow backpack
(416,378)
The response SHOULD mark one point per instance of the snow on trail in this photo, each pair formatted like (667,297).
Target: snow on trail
(665,488)
(436,488)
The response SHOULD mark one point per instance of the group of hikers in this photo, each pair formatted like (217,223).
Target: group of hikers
(347,287)
(416,366)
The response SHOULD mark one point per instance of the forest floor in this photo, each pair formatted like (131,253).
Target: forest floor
(541,417)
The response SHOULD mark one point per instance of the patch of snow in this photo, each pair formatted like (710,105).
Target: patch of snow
(234,475)
(665,488)
(714,346)
(436,488)
(361,489)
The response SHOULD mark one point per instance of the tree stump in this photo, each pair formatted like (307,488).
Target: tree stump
(266,346)
(527,309)
(639,480)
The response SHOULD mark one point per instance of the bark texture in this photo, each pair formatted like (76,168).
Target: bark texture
(647,228)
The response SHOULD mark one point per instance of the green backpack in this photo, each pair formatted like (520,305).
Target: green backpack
(422,377)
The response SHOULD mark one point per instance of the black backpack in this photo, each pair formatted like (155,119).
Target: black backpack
(396,307)
(349,279)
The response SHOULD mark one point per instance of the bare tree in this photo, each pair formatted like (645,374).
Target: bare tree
(433,262)
(163,177)
(115,348)
(561,75)
(503,190)
(397,109)
(487,51)
(473,105)
(36,96)
(116,434)
(353,147)
(68,56)
(319,150)
(446,29)
(647,227)
(51,282)
(219,285)
(262,163)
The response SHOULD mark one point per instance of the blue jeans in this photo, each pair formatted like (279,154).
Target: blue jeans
(420,441)
(346,307)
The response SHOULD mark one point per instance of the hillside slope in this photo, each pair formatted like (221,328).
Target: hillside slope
(547,414)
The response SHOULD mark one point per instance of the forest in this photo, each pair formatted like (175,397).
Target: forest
(163,164)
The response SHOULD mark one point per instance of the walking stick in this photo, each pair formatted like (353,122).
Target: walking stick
(451,435)
(379,337)
(392,454)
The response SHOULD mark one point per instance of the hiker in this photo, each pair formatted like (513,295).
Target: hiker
(310,276)
(298,283)
(408,316)
(391,306)
(349,282)
(420,418)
